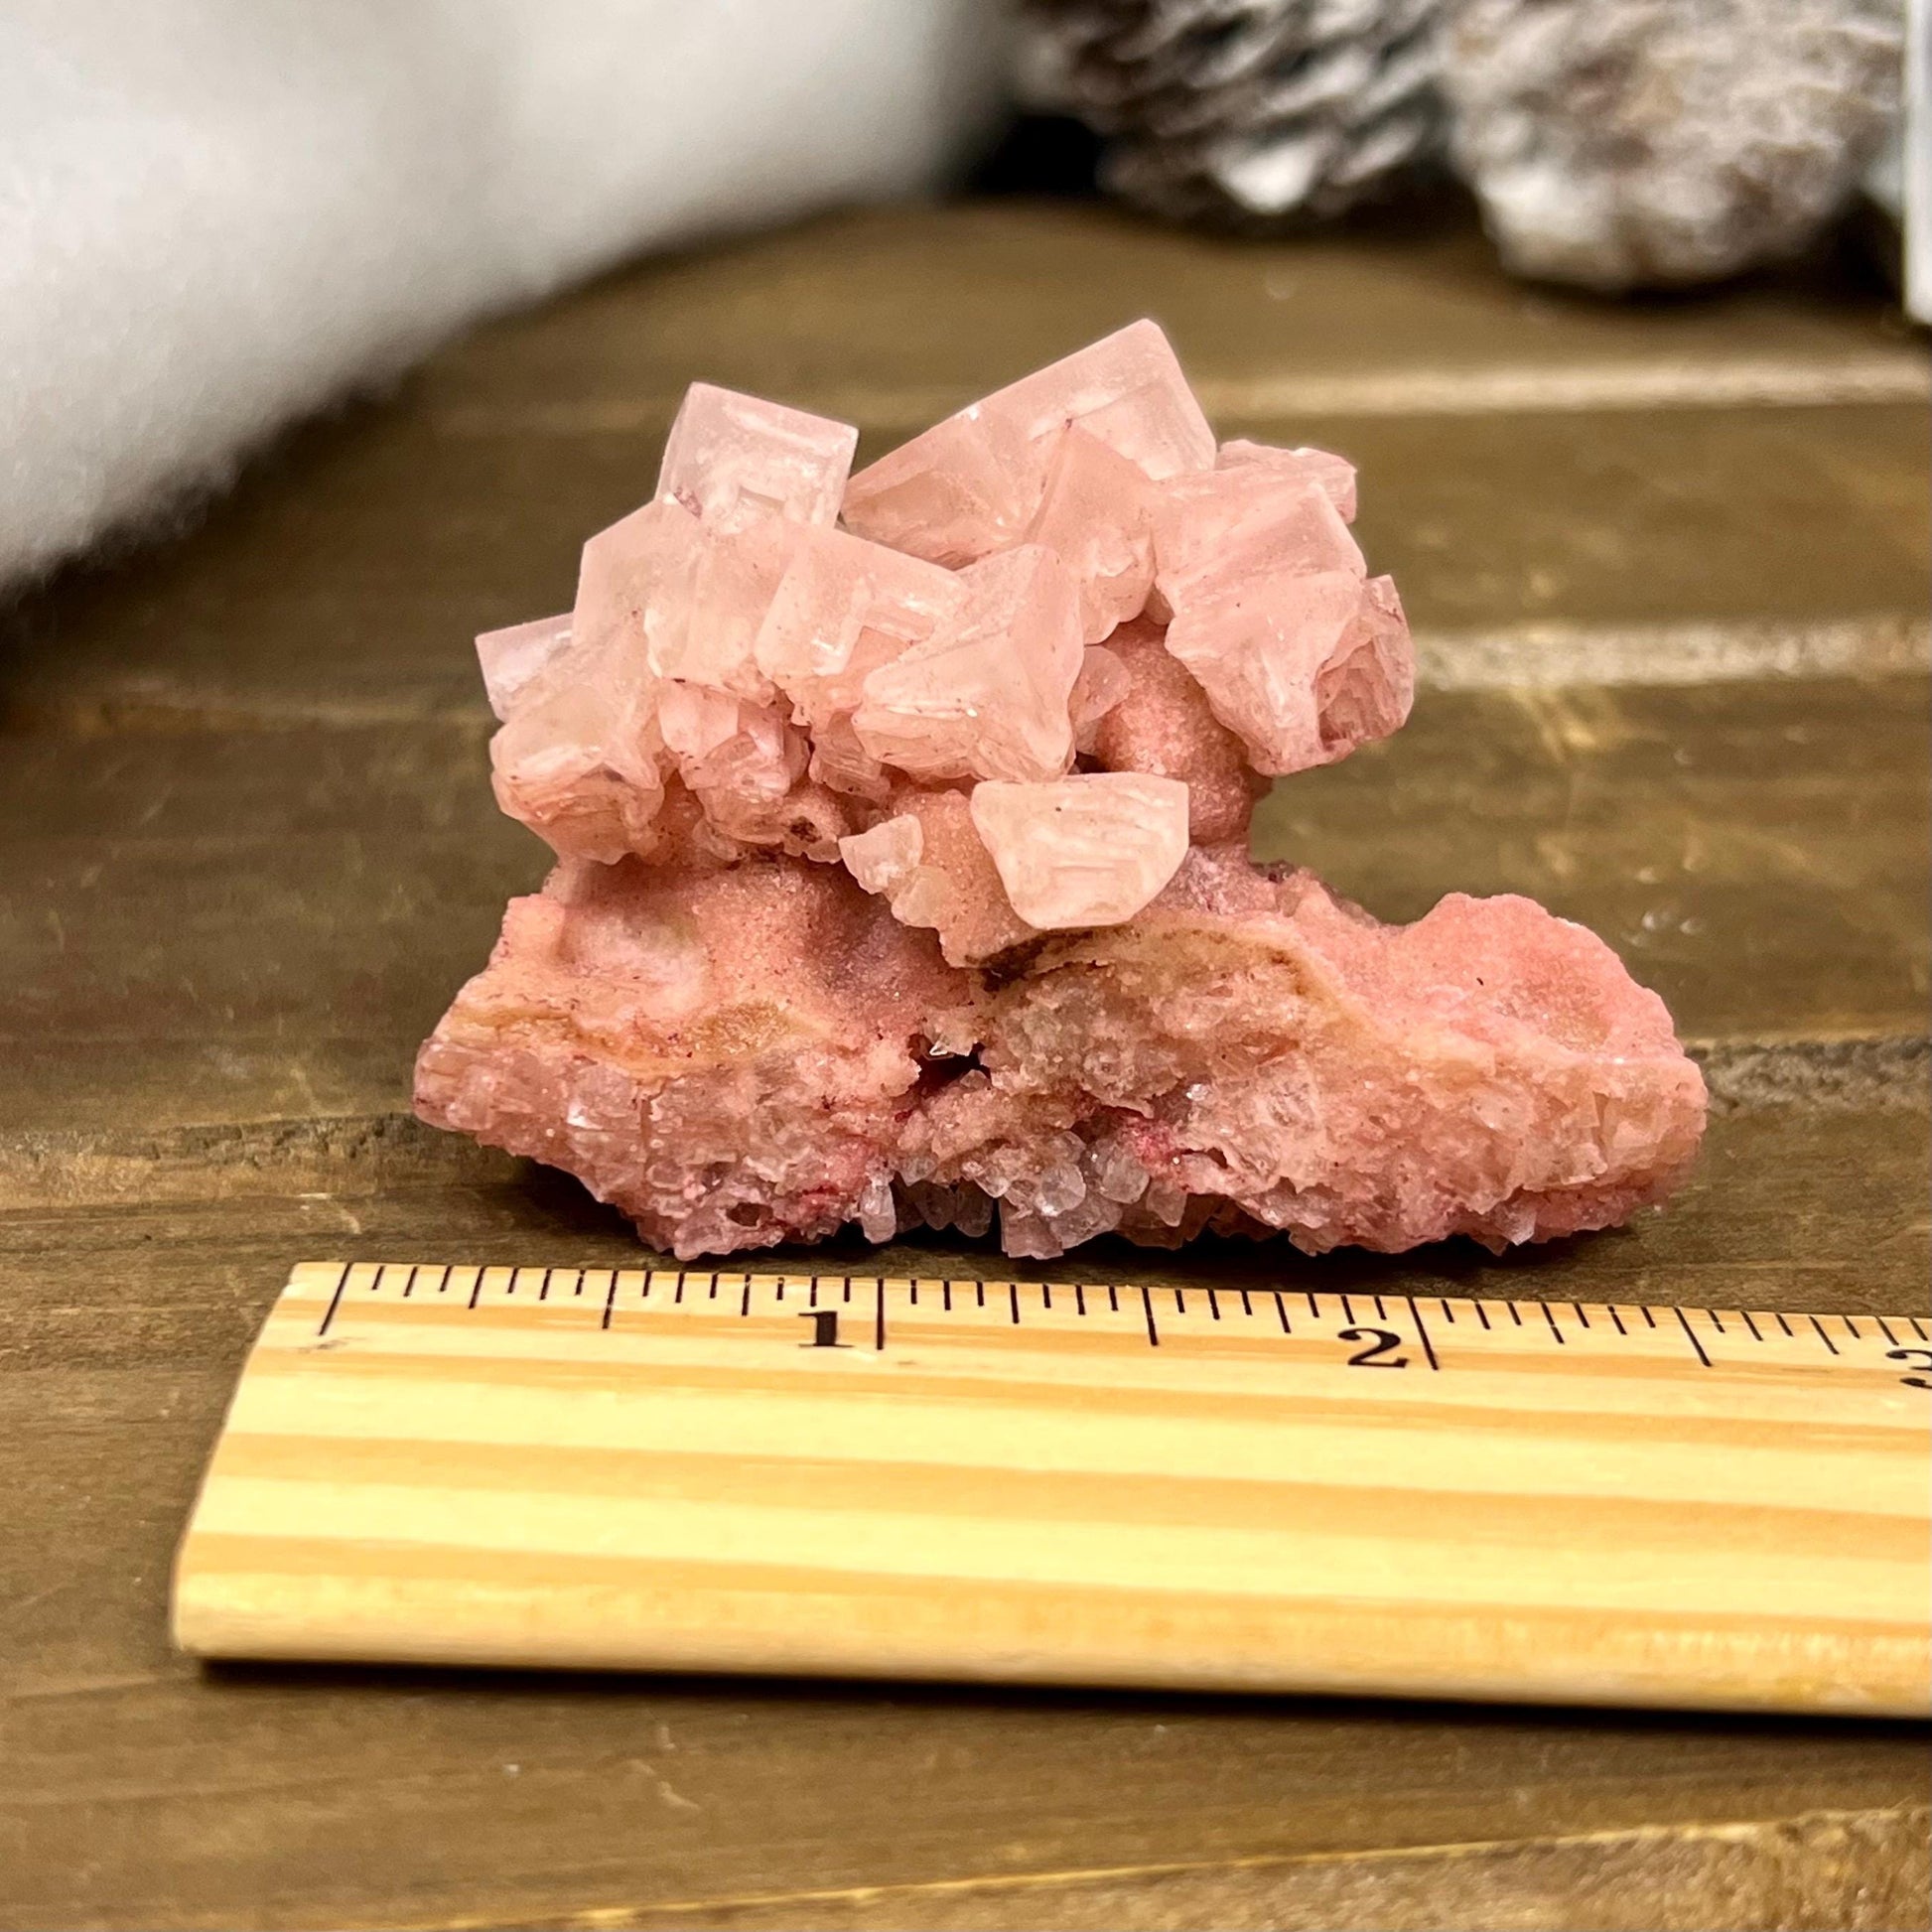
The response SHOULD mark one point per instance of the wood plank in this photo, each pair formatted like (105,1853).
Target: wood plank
(899,315)
(1822,1872)
(1791,1207)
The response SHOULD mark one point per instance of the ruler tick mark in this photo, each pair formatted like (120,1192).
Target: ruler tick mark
(1213,1305)
(1850,1328)
(1714,1322)
(1421,1333)
(336,1300)
(1381,1313)
(1884,1329)
(1757,1333)
(1650,1321)
(476,1287)
(1013,1301)
(1515,1313)
(543,1289)
(1147,1308)
(1348,1309)
(1822,1336)
(1449,1314)
(409,1284)
(1079,1298)
(744,1300)
(879,1315)
(1684,1322)
(1581,1315)
(1482,1314)
(1618,1320)
(609,1297)
(1281,1312)
(1550,1315)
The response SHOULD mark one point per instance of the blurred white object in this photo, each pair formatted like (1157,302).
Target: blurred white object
(215,214)
(1900,180)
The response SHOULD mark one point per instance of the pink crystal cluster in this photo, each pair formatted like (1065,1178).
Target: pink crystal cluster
(902,874)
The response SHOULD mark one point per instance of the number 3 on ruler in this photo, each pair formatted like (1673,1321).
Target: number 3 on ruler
(1380,1341)
(1918,1358)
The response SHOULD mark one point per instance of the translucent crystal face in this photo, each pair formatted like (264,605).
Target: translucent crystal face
(903,872)
(1096,514)
(987,695)
(1090,850)
(844,608)
(512,659)
(734,460)
(971,484)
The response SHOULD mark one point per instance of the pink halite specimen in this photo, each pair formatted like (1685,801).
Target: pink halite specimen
(903,877)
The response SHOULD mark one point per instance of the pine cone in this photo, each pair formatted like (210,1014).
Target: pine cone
(1248,114)
(1618,142)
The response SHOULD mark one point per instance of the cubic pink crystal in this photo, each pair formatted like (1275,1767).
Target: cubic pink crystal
(734,460)
(576,759)
(1274,661)
(918,895)
(1333,475)
(1086,851)
(1097,516)
(1218,533)
(512,659)
(971,484)
(843,609)
(987,695)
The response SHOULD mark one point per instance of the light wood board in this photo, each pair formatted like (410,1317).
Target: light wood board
(1087,1482)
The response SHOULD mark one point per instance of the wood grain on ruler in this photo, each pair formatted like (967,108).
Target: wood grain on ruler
(1080,1482)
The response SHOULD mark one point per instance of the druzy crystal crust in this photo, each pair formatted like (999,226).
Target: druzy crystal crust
(902,875)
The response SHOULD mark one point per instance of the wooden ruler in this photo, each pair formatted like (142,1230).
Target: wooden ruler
(1088,1482)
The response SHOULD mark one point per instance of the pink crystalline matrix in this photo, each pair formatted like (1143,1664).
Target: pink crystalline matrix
(903,874)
